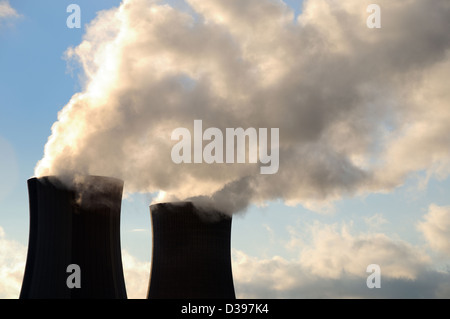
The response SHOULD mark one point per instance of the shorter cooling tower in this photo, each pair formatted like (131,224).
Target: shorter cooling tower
(191,253)
(80,226)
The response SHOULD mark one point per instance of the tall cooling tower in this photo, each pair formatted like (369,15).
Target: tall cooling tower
(191,253)
(80,227)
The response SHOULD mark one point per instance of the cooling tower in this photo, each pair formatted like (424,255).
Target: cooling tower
(191,253)
(78,226)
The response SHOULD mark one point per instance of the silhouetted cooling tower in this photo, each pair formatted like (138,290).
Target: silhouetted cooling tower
(191,253)
(79,227)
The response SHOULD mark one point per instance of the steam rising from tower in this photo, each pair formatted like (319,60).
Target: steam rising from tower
(339,92)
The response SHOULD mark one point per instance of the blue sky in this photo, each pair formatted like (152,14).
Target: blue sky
(36,83)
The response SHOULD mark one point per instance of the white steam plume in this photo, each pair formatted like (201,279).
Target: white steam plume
(358,109)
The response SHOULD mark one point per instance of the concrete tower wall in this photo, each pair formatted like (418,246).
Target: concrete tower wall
(64,231)
(191,253)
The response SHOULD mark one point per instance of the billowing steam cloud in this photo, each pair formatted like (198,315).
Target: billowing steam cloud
(358,109)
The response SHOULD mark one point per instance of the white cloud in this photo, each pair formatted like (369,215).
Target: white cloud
(436,228)
(333,263)
(12,266)
(335,251)
(289,279)
(136,275)
(6,11)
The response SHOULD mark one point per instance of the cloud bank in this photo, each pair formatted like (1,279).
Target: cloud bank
(333,264)
(359,110)
(435,227)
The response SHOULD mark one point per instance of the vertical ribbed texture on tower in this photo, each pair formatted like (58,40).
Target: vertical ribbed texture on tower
(65,231)
(191,255)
